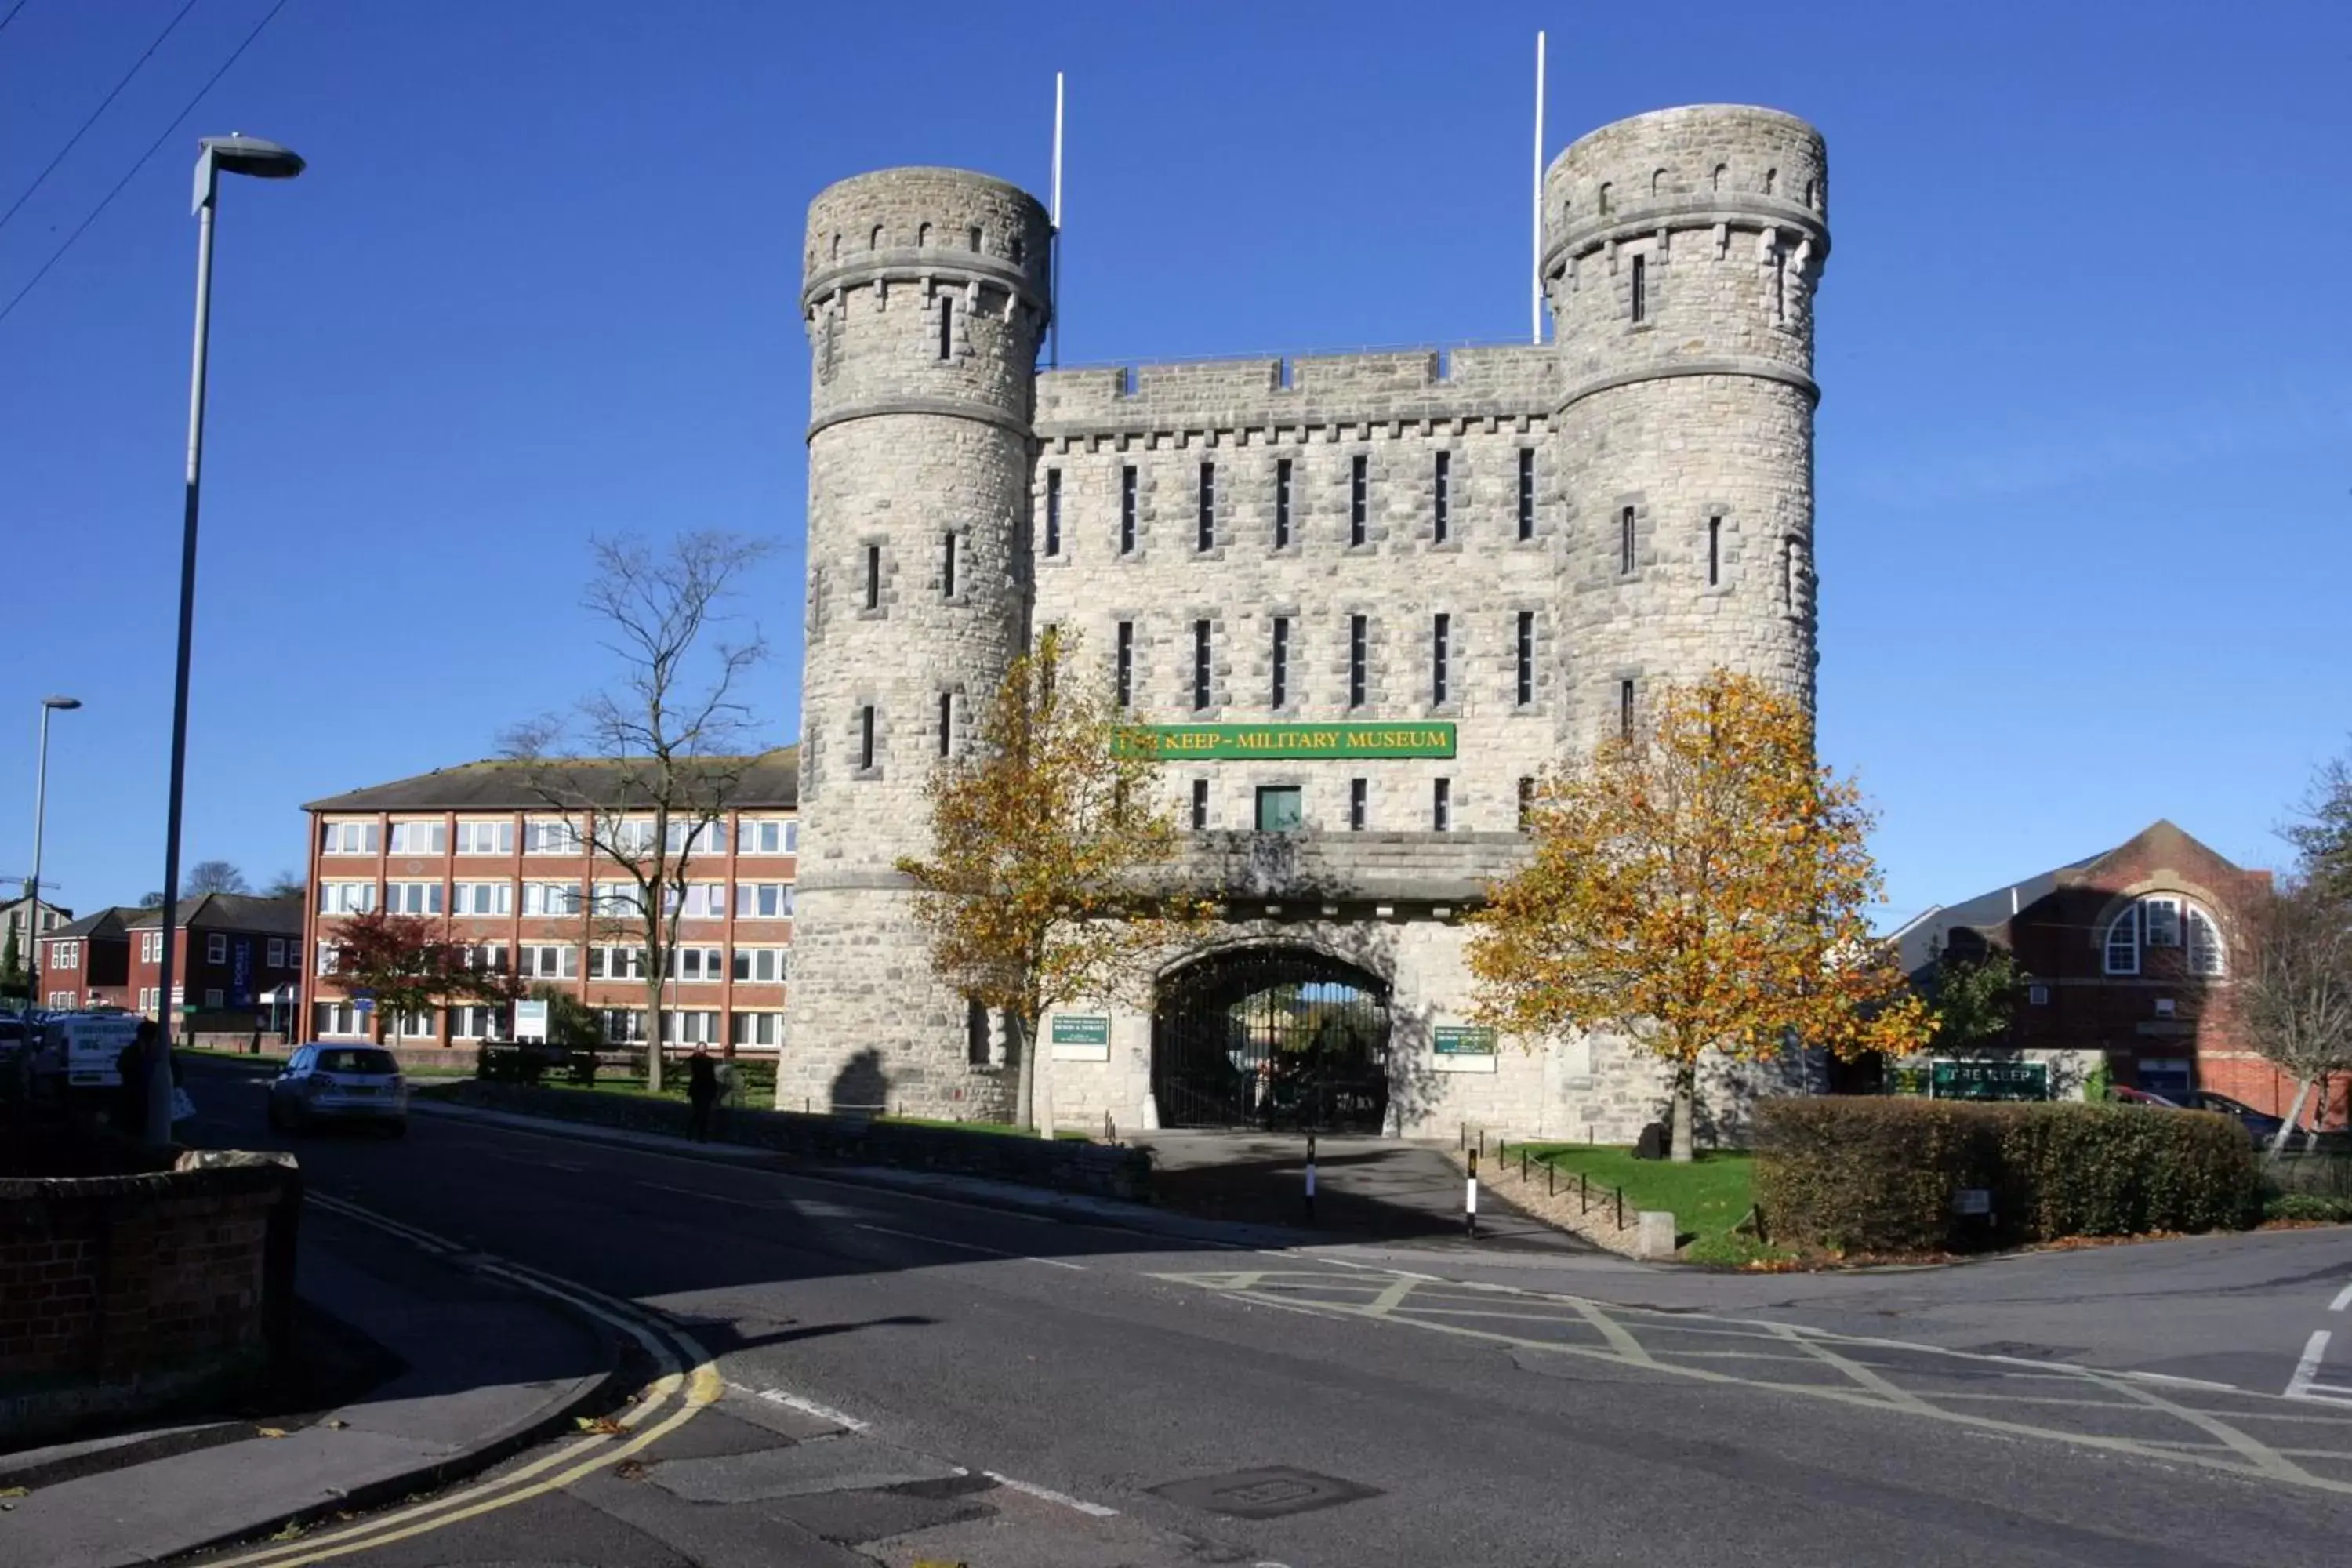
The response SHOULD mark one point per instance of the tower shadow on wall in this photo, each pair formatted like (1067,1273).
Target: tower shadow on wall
(861,1087)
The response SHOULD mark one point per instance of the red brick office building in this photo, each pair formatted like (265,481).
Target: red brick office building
(480,850)
(2128,953)
(232,952)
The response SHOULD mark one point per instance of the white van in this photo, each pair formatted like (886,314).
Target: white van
(85,1046)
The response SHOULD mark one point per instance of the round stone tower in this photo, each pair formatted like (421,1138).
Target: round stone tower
(1681,252)
(926,297)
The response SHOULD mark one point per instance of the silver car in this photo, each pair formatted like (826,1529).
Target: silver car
(322,1084)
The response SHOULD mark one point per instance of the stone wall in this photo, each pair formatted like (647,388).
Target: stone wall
(125,1294)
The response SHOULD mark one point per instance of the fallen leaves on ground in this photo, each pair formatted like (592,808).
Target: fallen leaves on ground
(271,1431)
(603,1424)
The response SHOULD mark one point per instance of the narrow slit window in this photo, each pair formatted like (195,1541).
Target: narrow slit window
(1207,534)
(973,233)
(1526,801)
(872,577)
(1441,806)
(1359,489)
(947,722)
(1359,791)
(947,327)
(1441,515)
(1053,512)
(1779,285)
(1641,289)
(1624,710)
(1526,693)
(1127,510)
(1200,806)
(1126,664)
(1282,504)
(1527,493)
(1441,638)
(1714,551)
(1280,660)
(1358,636)
(866,736)
(1788,574)
(1203,669)
(948,564)
(1625,541)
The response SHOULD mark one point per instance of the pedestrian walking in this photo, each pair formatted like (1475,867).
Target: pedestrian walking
(132,1069)
(701,1090)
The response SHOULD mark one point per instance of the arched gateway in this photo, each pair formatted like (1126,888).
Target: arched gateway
(1262,1036)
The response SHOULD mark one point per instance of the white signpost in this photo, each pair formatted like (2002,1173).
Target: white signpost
(531,1021)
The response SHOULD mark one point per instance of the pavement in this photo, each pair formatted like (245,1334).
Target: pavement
(877,1371)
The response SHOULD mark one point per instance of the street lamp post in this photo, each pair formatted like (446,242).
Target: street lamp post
(33,885)
(237,154)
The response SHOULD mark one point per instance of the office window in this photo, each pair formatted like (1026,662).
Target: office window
(330,957)
(866,736)
(1440,636)
(1625,710)
(762,966)
(1280,657)
(1440,805)
(216,947)
(762,901)
(1127,510)
(550,835)
(1358,631)
(948,564)
(1625,539)
(485,838)
(551,898)
(1053,512)
(1640,290)
(150,943)
(1203,670)
(616,963)
(1125,682)
(329,1020)
(547,962)
(703,901)
(1199,805)
(424,1026)
(334,898)
(1207,539)
(1527,493)
(420,837)
(763,1031)
(690,1027)
(1440,516)
(1358,498)
(1359,791)
(616,901)
(347,838)
(628,835)
(491,957)
(479,1023)
(1714,551)
(696,964)
(623,1026)
(698,836)
(872,577)
(767,838)
(1279,808)
(1282,503)
(1525,687)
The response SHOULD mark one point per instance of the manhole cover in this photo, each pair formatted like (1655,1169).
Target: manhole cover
(1269,1493)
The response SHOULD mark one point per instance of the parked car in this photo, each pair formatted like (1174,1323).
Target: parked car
(354,1084)
(2260,1124)
(2125,1094)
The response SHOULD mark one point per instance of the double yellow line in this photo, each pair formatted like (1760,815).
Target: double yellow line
(689,1383)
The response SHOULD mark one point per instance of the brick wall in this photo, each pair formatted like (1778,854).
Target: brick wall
(125,1294)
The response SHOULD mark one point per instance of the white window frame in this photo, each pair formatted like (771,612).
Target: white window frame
(2122,936)
(216,947)
(768,836)
(615,900)
(435,834)
(567,961)
(346,898)
(398,896)
(766,1031)
(499,831)
(336,831)
(748,898)
(2155,933)
(623,1025)
(709,838)
(552,899)
(2201,938)
(151,947)
(331,955)
(551,835)
(466,896)
(421,1026)
(708,964)
(468,1021)
(747,963)
(612,962)
(215,997)
(484,955)
(275,955)
(689,1026)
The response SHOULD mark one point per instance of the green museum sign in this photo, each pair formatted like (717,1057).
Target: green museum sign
(1988,1080)
(1246,743)
(1453,1040)
(1081,1029)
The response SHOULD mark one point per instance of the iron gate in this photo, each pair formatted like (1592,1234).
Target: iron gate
(1269,1037)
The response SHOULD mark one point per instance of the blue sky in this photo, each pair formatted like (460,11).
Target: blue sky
(2085,511)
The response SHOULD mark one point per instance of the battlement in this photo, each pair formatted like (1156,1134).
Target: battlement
(946,223)
(1494,382)
(1698,166)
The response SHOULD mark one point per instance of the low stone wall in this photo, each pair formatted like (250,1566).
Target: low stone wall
(121,1295)
(1063,1165)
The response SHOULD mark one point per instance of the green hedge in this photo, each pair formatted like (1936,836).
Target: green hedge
(1872,1174)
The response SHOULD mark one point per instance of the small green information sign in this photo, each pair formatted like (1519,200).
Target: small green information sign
(1081,1029)
(1252,742)
(1989,1081)
(1453,1040)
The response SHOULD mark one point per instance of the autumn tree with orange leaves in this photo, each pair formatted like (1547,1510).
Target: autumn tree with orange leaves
(1699,886)
(1048,833)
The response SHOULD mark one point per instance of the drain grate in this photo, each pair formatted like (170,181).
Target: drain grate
(1269,1493)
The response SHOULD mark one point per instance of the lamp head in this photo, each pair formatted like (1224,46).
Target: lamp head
(241,154)
(61,703)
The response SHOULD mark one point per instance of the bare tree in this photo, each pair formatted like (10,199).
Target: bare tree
(2324,835)
(213,877)
(2292,988)
(643,769)
(287,885)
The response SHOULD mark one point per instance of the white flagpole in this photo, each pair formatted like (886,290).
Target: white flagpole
(1054,334)
(1535,314)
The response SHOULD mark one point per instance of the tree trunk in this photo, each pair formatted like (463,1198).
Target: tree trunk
(1685,1098)
(1024,1072)
(2293,1119)
(653,1028)
(1044,1123)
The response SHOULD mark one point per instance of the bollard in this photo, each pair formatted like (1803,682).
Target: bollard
(1310,1178)
(1470,1200)
(1551,1179)
(1583,1193)
(1523,1162)
(1619,1193)
(1481,1141)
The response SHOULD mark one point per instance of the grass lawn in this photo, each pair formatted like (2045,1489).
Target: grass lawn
(1707,1196)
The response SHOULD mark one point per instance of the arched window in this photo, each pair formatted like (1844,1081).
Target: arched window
(874,241)
(1771,178)
(923,235)
(1809,188)
(1720,170)
(837,247)
(1605,189)
(2158,921)
(1658,182)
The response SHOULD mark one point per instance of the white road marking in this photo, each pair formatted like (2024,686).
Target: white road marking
(2306,1384)
(2343,1300)
(974,1247)
(805,1405)
(1092,1509)
(712,1197)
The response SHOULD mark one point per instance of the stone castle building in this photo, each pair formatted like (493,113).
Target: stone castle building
(1371,594)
